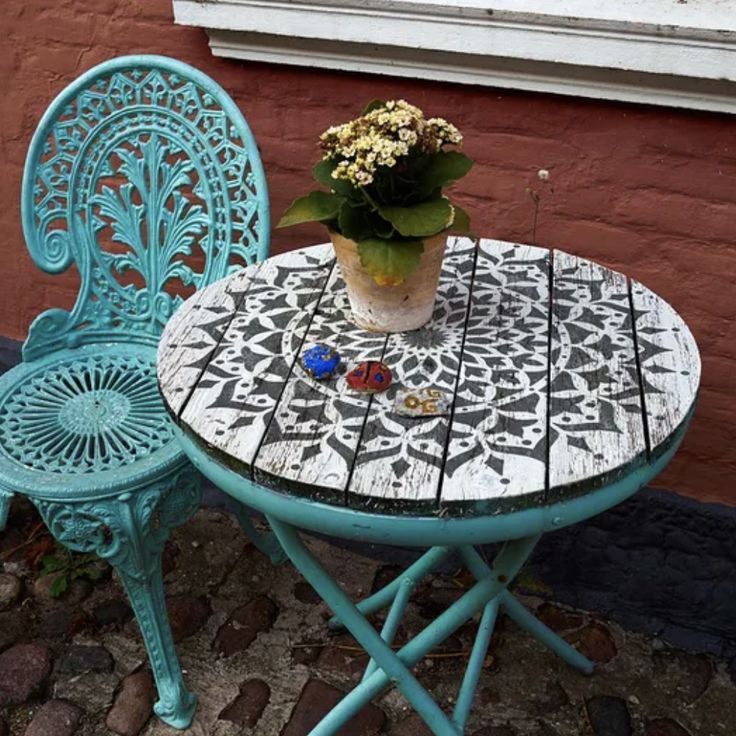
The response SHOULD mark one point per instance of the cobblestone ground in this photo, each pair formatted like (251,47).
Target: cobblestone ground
(254,645)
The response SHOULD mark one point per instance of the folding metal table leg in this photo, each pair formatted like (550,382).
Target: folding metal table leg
(391,667)
(526,620)
(395,670)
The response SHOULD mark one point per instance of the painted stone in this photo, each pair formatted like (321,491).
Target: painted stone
(320,362)
(422,402)
(370,377)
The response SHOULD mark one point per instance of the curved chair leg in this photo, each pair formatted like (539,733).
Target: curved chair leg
(267,543)
(5,498)
(130,531)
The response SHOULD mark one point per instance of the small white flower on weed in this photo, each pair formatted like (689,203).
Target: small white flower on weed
(543,174)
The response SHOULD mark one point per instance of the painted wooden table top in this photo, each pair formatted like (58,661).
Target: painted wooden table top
(564,376)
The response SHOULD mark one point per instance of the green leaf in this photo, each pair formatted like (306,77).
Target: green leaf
(420,220)
(442,169)
(322,172)
(59,586)
(374,104)
(389,262)
(51,563)
(89,570)
(353,222)
(359,222)
(92,572)
(315,207)
(461,223)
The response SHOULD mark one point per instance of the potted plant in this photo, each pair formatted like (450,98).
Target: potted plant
(385,209)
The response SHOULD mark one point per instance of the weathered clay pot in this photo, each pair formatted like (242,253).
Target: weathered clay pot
(407,306)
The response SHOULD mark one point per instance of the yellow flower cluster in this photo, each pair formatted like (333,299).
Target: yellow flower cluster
(381,137)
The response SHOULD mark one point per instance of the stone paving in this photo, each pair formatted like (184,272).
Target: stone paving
(254,645)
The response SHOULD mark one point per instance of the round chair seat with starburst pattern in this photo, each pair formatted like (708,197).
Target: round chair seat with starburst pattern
(83,415)
(144,175)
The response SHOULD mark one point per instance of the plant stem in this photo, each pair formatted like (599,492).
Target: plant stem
(35,532)
(368,199)
(536,198)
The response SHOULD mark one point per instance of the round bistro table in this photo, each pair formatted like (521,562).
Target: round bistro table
(571,387)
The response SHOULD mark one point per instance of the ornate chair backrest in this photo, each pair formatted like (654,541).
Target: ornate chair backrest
(144,174)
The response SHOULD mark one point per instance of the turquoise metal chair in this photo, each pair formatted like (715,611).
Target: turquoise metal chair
(144,175)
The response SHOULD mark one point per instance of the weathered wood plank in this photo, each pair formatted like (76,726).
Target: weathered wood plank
(232,404)
(669,363)
(249,399)
(194,332)
(498,439)
(314,434)
(399,459)
(596,416)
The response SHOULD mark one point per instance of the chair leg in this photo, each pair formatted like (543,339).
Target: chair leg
(5,498)
(130,531)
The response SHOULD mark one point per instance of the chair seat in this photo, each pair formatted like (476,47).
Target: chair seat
(88,421)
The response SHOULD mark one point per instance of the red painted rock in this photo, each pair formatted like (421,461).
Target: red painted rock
(596,642)
(244,625)
(317,698)
(370,376)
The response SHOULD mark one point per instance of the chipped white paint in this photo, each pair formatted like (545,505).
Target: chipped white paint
(314,434)
(512,439)
(193,333)
(498,440)
(669,363)
(232,404)
(596,422)
(401,458)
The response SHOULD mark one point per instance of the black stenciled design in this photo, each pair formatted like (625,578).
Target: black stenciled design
(317,424)
(500,405)
(596,415)
(391,443)
(592,352)
(233,402)
(255,403)
(668,360)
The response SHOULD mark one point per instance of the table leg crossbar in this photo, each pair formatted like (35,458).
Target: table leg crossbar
(388,667)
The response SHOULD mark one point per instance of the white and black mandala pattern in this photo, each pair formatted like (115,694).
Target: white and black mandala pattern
(551,362)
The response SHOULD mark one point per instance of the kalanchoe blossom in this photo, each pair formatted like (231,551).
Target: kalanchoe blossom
(381,137)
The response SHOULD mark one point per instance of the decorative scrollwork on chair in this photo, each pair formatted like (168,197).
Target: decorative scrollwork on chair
(146,176)
(130,531)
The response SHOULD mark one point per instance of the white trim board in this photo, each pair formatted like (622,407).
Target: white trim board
(654,51)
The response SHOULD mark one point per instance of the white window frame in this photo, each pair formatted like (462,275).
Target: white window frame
(666,52)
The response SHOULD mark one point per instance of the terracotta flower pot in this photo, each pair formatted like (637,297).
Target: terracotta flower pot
(407,306)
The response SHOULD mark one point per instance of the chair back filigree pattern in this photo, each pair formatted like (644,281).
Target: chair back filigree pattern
(144,174)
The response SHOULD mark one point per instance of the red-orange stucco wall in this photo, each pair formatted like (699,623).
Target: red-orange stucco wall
(648,190)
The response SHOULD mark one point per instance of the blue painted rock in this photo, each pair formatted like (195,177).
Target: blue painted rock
(320,362)
(370,377)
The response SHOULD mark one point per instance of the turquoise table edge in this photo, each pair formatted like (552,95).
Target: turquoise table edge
(125,512)
(356,524)
(519,531)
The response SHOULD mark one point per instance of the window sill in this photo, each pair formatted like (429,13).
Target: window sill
(661,52)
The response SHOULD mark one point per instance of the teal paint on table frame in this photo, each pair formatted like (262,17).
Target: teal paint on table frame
(144,175)
(519,531)
(572,387)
